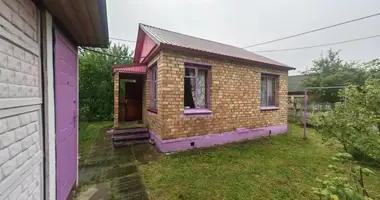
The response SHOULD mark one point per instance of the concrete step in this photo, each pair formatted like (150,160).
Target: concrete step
(124,131)
(130,136)
(122,143)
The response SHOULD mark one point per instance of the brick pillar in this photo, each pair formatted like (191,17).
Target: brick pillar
(116,100)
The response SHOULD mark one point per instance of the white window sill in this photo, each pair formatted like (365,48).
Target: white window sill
(193,112)
(269,108)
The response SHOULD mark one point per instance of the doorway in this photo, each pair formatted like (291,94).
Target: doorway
(133,99)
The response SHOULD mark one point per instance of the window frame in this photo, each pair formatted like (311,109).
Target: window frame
(198,110)
(153,90)
(275,95)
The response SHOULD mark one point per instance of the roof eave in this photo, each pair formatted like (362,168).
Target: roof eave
(163,46)
(89,31)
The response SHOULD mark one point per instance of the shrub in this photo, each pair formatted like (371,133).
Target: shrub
(355,123)
(95,81)
(343,181)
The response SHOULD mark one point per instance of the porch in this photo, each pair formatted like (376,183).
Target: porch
(128,92)
(128,127)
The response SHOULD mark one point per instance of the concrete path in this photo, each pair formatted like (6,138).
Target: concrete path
(113,173)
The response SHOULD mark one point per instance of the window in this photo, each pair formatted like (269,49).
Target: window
(153,88)
(196,87)
(268,90)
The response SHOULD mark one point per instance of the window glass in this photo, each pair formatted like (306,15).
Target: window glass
(202,90)
(196,88)
(263,91)
(190,72)
(268,91)
(153,88)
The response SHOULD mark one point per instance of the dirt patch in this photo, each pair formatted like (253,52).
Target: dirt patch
(145,153)
(121,171)
(102,193)
(129,187)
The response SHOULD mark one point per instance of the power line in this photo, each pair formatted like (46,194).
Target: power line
(311,31)
(320,45)
(125,40)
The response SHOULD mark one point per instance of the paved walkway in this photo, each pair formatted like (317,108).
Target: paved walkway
(113,173)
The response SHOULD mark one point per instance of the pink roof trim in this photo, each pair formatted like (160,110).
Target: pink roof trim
(129,69)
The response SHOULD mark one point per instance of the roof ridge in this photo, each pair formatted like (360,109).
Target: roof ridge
(161,35)
(194,37)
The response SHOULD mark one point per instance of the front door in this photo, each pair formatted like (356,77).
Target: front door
(66,98)
(133,96)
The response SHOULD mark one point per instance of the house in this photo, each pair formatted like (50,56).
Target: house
(39,93)
(295,88)
(192,92)
(295,85)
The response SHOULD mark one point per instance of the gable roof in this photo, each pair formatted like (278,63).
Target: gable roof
(295,83)
(182,41)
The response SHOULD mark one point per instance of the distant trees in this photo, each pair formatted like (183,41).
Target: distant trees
(330,70)
(95,80)
(355,123)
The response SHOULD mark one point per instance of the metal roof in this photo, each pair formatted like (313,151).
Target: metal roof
(129,69)
(162,36)
(295,83)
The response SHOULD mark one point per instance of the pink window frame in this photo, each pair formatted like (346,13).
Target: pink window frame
(153,93)
(266,76)
(208,84)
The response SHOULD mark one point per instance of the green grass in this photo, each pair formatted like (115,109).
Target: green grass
(87,132)
(280,167)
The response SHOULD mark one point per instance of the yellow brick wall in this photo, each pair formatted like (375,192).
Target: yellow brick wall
(154,120)
(234,96)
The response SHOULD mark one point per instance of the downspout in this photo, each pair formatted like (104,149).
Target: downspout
(42,57)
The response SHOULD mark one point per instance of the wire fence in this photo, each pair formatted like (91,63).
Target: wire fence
(296,104)
(296,109)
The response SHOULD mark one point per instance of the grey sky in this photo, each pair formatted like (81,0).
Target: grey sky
(242,23)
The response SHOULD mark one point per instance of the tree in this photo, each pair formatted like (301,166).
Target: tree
(330,70)
(355,123)
(95,80)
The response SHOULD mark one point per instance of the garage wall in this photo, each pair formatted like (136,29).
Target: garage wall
(21,156)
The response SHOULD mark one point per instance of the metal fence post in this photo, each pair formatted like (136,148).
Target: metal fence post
(304,114)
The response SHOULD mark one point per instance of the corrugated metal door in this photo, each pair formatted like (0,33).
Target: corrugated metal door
(66,98)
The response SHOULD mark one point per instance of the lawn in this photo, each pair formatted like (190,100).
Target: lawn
(279,167)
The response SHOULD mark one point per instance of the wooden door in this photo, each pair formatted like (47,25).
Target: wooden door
(133,96)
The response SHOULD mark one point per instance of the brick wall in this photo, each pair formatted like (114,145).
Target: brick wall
(235,97)
(154,120)
(116,103)
(20,102)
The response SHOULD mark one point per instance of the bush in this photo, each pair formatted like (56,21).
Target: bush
(345,180)
(95,81)
(356,123)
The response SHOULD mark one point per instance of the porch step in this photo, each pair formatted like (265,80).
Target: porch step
(121,143)
(131,125)
(125,131)
(130,136)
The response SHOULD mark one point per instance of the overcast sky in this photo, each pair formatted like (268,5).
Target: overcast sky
(242,23)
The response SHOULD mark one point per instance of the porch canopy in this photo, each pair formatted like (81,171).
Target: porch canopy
(124,72)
